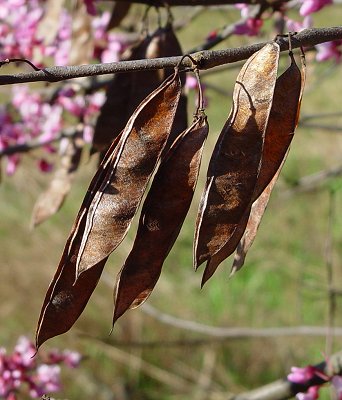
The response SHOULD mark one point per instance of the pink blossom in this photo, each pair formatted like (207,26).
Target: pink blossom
(297,26)
(48,377)
(311,394)
(329,50)
(71,358)
(336,382)
(301,375)
(191,82)
(45,166)
(88,133)
(19,371)
(250,27)
(12,164)
(90,5)
(311,6)
(244,9)
(24,351)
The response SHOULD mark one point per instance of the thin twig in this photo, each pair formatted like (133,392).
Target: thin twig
(283,389)
(312,182)
(34,144)
(323,127)
(204,59)
(330,274)
(162,3)
(237,332)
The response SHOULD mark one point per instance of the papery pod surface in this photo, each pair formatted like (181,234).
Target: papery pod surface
(162,217)
(140,147)
(283,122)
(127,90)
(52,199)
(65,300)
(128,164)
(236,160)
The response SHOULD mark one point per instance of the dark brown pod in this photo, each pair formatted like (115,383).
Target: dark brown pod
(278,136)
(281,103)
(235,163)
(114,112)
(162,217)
(115,203)
(127,164)
(65,300)
(127,90)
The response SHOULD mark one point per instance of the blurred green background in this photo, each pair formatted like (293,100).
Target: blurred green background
(283,283)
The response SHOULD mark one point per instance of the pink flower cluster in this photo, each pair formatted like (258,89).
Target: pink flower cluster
(311,6)
(23,372)
(304,375)
(251,26)
(30,116)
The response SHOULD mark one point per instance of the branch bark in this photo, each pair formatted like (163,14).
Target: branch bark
(164,3)
(204,59)
(282,389)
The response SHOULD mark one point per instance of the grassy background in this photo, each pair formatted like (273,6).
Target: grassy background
(284,281)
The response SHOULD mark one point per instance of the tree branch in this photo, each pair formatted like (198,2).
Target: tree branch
(163,3)
(205,59)
(236,333)
(283,389)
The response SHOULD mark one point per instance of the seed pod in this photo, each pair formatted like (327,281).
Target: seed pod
(127,90)
(65,300)
(51,200)
(114,112)
(162,217)
(283,123)
(279,133)
(114,193)
(235,163)
(115,203)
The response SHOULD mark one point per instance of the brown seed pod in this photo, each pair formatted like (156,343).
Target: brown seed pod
(283,122)
(235,163)
(113,195)
(162,217)
(115,203)
(52,199)
(65,300)
(127,90)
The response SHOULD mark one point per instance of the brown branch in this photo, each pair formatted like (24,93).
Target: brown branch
(236,333)
(163,3)
(283,389)
(34,144)
(205,59)
(312,182)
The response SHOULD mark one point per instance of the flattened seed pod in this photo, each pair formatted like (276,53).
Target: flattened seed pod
(162,217)
(288,110)
(127,90)
(279,133)
(130,160)
(65,300)
(115,203)
(235,163)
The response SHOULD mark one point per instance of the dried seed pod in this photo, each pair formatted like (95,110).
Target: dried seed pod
(162,217)
(127,90)
(235,163)
(252,225)
(114,205)
(283,122)
(114,112)
(50,201)
(65,300)
(114,193)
